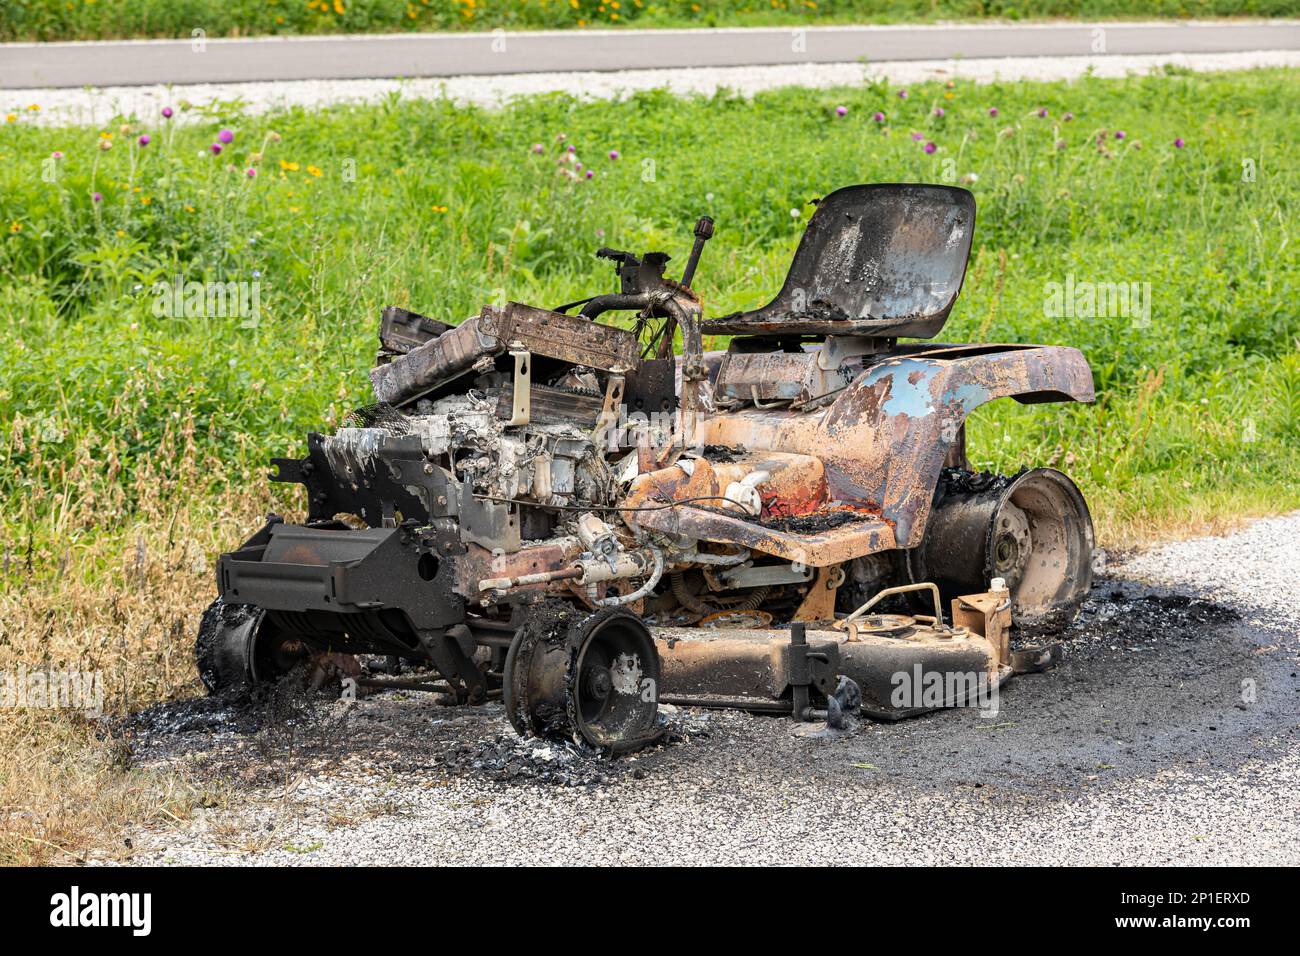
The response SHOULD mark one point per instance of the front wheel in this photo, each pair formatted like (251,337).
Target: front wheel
(591,677)
(238,649)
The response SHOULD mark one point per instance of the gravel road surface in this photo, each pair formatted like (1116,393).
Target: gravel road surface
(1170,734)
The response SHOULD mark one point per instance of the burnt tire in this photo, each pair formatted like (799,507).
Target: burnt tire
(238,649)
(589,677)
(1032,529)
(223,651)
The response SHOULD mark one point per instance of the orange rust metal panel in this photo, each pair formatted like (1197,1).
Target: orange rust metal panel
(884,440)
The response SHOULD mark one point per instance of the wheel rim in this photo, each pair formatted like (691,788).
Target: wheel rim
(594,678)
(1032,530)
(615,696)
(1052,573)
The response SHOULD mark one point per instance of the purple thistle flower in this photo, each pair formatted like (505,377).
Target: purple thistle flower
(215,148)
(1042,112)
(878,117)
(841,111)
(1067,117)
(1178,143)
(938,111)
(902,94)
(56,155)
(930,147)
(572,148)
(226,136)
(614,154)
(250,172)
(167,112)
(993,111)
(144,139)
(590,174)
(96,197)
(1120,134)
(537,147)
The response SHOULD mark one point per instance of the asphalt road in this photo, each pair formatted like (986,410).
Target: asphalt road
(130,63)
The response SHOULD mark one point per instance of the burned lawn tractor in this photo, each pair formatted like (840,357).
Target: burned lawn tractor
(562,513)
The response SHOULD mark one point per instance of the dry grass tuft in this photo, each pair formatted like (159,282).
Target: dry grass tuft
(123,602)
(68,792)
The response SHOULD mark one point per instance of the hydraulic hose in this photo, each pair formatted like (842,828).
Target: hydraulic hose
(649,585)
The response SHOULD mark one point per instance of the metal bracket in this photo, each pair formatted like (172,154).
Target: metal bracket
(764,575)
(807,666)
(523,384)
(837,348)
(600,435)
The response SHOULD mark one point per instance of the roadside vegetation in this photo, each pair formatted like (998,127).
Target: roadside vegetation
(111,19)
(134,440)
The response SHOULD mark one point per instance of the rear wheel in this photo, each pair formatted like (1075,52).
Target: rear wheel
(1033,530)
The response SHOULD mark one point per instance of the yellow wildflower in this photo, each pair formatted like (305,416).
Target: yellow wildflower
(338,7)
(11,118)
(292,167)
(315,171)
(15,227)
(437,208)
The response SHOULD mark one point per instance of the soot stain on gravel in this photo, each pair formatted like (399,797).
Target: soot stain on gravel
(1150,680)
(509,758)
(1124,616)
(251,740)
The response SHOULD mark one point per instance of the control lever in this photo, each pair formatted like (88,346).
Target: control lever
(703,233)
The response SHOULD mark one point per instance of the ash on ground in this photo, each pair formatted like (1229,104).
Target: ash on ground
(509,758)
(252,739)
(1125,616)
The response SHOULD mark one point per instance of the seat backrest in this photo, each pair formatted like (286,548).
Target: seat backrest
(883,259)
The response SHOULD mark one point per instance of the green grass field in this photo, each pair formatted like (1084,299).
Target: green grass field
(133,446)
(441,208)
(105,19)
